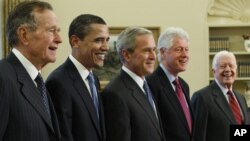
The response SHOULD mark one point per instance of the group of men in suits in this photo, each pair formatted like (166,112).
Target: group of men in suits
(139,104)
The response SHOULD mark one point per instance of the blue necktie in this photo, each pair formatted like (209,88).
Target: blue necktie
(93,92)
(149,96)
(42,89)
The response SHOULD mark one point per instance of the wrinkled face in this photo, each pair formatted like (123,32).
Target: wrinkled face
(225,71)
(92,49)
(43,42)
(175,59)
(142,60)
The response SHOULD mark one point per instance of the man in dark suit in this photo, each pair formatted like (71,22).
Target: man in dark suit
(75,97)
(174,103)
(217,106)
(129,107)
(26,113)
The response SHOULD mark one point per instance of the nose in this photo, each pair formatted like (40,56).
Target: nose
(105,46)
(152,54)
(58,38)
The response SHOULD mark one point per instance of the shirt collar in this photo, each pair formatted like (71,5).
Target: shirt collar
(30,68)
(139,81)
(80,68)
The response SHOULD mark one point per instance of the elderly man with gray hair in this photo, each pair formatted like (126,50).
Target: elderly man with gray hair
(217,106)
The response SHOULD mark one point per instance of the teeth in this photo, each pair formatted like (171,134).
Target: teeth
(100,56)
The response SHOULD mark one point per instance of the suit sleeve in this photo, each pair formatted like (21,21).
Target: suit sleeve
(63,106)
(117,117)
(201,117)
(4,106)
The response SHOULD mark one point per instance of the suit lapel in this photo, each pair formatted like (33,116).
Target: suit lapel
(29,90)
(222,103)
(140,97)
(169,92)
(84,93)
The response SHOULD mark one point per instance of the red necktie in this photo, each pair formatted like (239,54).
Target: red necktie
(234,107)
(183,103)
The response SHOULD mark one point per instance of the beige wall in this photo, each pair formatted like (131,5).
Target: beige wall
(188,14)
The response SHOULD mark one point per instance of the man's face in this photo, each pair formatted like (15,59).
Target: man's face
(176,58)
(225,71)
(93,48)
(43,42)
(142,60)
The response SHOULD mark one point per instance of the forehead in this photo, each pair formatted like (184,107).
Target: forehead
(180,42)
(145,39)
(96,28)
(226,60)
(45,17)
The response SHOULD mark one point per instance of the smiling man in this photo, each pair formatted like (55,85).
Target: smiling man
(129,107)
(73,87)
(171,91)
(217,106)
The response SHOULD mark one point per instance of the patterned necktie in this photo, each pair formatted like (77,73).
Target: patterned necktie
(234,107)
(183,103)
(42,89)
(93,90)
(149,96)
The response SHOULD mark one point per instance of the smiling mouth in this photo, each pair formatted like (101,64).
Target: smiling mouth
(53,48)
(100,56)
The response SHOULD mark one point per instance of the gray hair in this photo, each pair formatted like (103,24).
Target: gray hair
(167,37)
(23,14)
(126,39)
(221,54)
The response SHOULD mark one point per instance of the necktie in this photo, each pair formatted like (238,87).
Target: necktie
(234,107)
(149,96)
(183,103)
(93,92)
(42,89)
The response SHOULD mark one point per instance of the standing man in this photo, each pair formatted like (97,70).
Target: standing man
(129,107)
(74,88)
(171,91)
(217,106)
(26,110)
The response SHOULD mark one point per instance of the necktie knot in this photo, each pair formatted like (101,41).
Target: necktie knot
(91,78)
(176,83)
(146,88)
(39,79)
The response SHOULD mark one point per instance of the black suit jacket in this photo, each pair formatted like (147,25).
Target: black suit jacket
(128,114)
(74,106)
(23,116)
(172,115)
(213,114)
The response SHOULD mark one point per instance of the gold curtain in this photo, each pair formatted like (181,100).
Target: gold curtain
(8,6)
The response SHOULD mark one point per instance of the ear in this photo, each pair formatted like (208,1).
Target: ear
(126,55)
(162,50)
(74,41)
(22,33)
(213,70)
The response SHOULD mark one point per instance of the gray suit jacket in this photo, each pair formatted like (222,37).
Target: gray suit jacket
(213,114)
(23,116)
